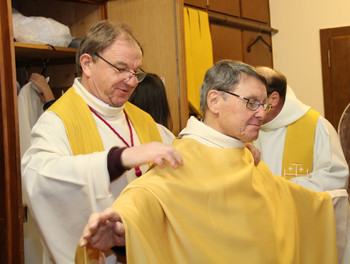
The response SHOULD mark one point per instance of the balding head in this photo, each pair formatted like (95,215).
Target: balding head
(276,82)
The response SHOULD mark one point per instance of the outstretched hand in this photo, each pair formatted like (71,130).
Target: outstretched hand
(103,231)
(156,152)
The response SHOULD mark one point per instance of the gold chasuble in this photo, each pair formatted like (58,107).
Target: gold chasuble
(81,128)
(299,146)
(220,208)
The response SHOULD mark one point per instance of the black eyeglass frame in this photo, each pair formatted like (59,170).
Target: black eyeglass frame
(139,76)
(267,107)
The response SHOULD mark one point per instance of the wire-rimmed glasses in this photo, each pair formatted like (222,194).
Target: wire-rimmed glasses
(139,75)
(252,104)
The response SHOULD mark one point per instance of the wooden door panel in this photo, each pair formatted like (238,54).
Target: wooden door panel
(197,3)
(260,54)
(256,10)
(335,56)
(163,46)
(226,42)
(340,61)
(230,7)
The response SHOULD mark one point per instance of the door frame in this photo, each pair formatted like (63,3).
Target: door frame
(328,93)
(11,212)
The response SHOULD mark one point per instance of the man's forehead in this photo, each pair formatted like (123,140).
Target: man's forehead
(252,87)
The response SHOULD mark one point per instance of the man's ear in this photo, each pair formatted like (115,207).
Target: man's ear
(213,101)
(86,63)
(274,98)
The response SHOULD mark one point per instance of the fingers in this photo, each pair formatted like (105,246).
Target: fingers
(109,215)
(170,155)
(37,78)
(88,230)
(99,224)
(155,152)
(39,81)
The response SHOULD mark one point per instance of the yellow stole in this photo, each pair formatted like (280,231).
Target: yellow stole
(299,146)
(81,128)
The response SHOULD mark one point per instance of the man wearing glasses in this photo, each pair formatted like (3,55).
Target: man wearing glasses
(91,142)
(300,145)
(218,207)
(297,143)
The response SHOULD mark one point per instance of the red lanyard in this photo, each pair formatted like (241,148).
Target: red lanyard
(138,172)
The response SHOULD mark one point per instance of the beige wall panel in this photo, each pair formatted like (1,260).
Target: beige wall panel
(153,21)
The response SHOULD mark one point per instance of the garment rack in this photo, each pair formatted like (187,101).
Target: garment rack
(240,23)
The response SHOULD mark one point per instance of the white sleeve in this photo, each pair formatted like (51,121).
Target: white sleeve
(330,170)
(62,190)
(166,135)
(342,222)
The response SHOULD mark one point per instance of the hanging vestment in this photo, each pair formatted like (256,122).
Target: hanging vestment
(199,53)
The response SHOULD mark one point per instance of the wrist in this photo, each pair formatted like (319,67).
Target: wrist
(114,163)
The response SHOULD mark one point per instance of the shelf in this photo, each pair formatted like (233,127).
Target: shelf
(88,1)
(26,51)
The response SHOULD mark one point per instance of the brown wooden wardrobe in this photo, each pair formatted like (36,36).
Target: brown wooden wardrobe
(234,25)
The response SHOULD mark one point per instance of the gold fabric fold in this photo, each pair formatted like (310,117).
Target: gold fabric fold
(220,208)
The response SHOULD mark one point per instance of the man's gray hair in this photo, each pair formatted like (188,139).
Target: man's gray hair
(225,74)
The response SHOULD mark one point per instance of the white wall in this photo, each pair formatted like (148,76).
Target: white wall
(296,46)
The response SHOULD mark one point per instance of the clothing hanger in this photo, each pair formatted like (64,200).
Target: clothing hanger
(259,38)
(44,67)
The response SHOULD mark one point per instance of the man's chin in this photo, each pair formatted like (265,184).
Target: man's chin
(118,102)
(251,137)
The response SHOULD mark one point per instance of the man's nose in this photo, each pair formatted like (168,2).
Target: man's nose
(260,112)
(131,80)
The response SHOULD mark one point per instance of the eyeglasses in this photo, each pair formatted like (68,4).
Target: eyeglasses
(252,104)
(139,75)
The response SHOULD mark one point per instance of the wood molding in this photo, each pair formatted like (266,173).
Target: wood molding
(240,23)
(11,213)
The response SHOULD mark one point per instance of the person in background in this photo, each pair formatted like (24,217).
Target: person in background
(91,142)
(218,207)
(32,97)
(297,143)
(45,93)
(150,96)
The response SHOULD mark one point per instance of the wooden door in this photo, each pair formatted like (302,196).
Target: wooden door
(230,7)
(11,216)
(335,55)
(260,52)
(257,10)
(226,42)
